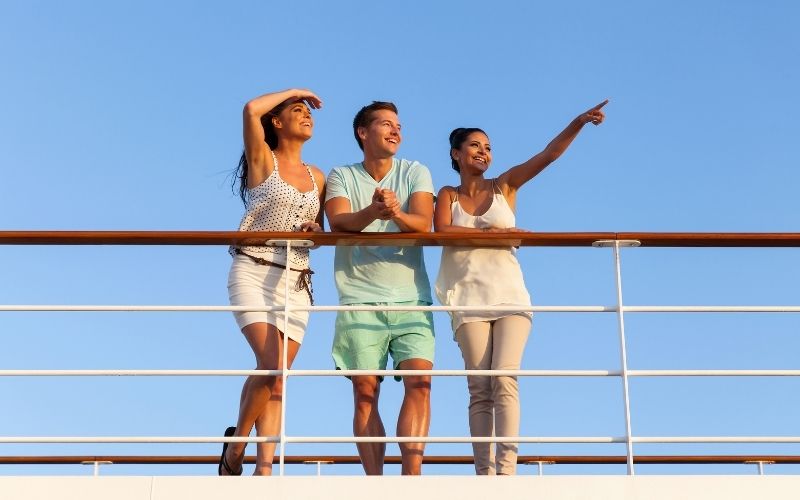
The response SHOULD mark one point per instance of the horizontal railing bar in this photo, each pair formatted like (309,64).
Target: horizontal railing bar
(452,439)
(307,373)
(392,439)
(331,308)
(718,439)
(334,308)
(713,309)
(135,373)
(399,373)
(649,239)
(457,372)
(260,237)
(134,439)
(713,373)
(301,439)
(396,459)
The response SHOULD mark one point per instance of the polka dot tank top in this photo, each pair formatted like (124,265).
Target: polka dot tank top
(275,205)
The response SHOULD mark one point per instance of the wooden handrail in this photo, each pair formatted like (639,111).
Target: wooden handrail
(428,459)
(577,239)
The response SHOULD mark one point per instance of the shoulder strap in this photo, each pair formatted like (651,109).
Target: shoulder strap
(274,159)
(311,174)
(495,187)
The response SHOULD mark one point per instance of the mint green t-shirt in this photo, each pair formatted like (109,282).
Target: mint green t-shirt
(367,274)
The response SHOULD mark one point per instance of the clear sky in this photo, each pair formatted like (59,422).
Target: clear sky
(127,115)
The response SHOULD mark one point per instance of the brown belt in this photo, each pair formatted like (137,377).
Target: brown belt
(303,281)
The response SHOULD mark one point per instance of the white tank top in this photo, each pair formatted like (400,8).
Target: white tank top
(276,205)
(481,276)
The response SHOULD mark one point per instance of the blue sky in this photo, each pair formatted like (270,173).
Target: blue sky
(127,115)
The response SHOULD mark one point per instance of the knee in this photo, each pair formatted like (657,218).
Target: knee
(418,387)
(276,386)
(262,382)
(365,392)
(480,387)
(505,386)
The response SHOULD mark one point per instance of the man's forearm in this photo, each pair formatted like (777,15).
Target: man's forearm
(353,222)
(412,223)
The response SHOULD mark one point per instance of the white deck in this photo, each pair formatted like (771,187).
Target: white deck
(401,488)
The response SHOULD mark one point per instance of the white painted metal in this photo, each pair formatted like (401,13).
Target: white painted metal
(399,373)
(305,373)
(536,309)
(332,308)
(457,439)
(712,309)
(307,439)
(620,309)
(318,463)
(135,439)
(623,360)
(616,243)
(285,358)
(396,439)
(96,465)
(531,487)
(718,439)
(287,244)
(713,373)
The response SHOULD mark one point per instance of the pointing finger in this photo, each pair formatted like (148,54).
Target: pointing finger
(600,105)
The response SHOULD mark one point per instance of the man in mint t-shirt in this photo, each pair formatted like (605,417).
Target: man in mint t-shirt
(383,194)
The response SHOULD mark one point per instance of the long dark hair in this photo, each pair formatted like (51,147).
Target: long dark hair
(457,138)
(270,137)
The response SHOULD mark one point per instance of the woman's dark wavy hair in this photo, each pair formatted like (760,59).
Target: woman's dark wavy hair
(457,138)
(270,137)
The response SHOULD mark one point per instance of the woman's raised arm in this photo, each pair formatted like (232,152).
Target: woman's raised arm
(515,177)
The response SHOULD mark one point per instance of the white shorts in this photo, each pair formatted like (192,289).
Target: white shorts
(251,284)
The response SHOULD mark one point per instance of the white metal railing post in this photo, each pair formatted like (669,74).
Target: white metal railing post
(285,355)
(760,464)
(623,358)
(96,465)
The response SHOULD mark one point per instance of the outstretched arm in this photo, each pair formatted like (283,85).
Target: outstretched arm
(515,177)
(259,159)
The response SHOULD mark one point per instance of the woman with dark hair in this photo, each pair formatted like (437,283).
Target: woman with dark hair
(280,193)
(490,276)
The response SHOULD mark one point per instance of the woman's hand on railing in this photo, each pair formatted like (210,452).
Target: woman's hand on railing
(505,230)
(313,227)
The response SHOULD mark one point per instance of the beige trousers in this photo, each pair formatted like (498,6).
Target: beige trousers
(494,401)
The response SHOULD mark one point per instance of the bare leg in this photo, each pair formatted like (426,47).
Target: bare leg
(415,414)
(269,424)
(367,422)
(261,396)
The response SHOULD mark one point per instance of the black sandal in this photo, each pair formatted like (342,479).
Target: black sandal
(223,462)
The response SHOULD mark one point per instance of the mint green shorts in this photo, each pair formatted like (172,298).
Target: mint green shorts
(364,339)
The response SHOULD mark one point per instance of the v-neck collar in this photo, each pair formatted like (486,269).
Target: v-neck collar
(395,161)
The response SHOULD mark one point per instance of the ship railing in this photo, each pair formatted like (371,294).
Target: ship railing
(614,241)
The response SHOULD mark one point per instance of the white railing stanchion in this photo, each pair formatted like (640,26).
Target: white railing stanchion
(624,354)
(285,355)
(96,465)
(760,464)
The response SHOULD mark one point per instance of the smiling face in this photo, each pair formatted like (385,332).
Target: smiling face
(294,120)
(474,155)
(381,137)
